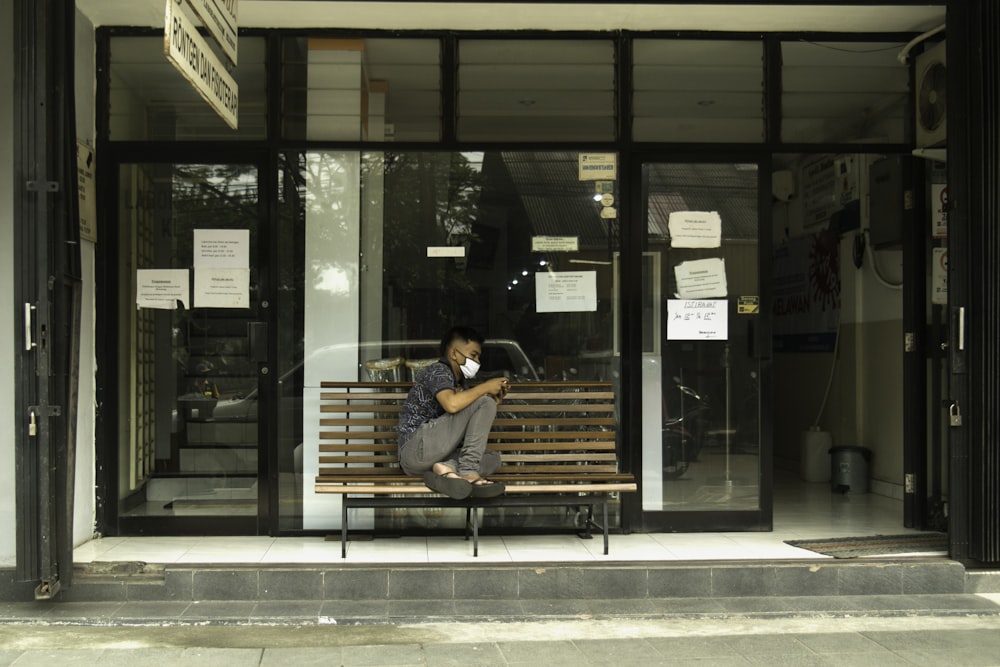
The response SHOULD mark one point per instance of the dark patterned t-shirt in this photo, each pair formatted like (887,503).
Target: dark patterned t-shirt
(421,403)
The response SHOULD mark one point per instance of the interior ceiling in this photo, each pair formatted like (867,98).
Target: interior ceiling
(547,16)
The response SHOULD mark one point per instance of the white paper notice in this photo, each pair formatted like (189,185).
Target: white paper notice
(697,319)
(701,279)
(162,288)
(939,277)
(222,288)
(221,249)
(446,251)
(566,292)
(555,243)
(695,229)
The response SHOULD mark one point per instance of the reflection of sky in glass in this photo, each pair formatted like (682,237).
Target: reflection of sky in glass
(475,160)
(333,280)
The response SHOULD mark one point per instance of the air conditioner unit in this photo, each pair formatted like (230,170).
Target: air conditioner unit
(931,102)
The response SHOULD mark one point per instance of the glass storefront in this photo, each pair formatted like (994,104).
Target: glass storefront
(376,255)
(389,186)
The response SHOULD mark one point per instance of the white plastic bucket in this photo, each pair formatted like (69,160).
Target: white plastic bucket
(814,461)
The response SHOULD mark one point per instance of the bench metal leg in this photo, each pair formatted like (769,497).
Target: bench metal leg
(343,527)
(475,531)
(468,522)
(604,504)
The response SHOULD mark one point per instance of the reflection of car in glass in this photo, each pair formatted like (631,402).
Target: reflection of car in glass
(501,358)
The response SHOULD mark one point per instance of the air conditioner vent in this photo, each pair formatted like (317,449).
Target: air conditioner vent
(931,101)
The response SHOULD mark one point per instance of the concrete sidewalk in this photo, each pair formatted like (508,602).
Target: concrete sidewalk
(862,639)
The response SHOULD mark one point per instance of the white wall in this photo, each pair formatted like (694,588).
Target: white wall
(7,498)
(865,402)
(84,504)
(332,307)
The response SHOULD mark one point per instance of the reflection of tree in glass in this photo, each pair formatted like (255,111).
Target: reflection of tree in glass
(430,199)
(211,197)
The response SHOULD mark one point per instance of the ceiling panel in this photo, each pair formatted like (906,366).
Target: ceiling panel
(540,15)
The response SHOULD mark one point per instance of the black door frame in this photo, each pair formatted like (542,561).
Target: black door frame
(633,239)
(109,521)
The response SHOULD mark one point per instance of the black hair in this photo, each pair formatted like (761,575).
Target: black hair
(467,334)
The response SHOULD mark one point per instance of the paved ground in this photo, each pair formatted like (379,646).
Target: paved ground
(858,637)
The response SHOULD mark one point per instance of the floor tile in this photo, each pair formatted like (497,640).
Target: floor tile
(802,511)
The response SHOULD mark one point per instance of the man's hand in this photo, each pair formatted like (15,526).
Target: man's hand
(497,387)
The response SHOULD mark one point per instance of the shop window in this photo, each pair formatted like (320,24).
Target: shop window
(536,90)
(698,90)
(843,92)
(361,89)
(151,101)
(389,249)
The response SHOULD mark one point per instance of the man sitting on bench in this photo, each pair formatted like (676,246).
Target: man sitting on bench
(444,423)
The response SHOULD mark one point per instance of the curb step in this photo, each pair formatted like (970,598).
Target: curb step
(136,581)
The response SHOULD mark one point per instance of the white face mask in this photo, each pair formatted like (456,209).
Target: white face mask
(469,368)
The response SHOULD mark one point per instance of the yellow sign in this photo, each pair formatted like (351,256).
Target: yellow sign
(748,305)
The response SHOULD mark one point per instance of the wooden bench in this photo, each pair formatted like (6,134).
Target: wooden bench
(557,441)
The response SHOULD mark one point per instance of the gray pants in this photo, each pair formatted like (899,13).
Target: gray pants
(456,440)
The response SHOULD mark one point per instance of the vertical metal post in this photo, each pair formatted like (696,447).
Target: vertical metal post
(47,281)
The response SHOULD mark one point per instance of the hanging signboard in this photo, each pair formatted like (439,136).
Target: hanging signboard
(219,17)
(188,51)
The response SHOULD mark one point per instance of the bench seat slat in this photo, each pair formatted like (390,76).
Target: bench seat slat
(580,447)
(390,476)
(598,487)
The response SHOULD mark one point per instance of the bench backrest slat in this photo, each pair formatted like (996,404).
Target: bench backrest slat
(543,431)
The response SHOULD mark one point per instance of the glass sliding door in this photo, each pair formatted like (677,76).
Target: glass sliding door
(192,346)
(701,452)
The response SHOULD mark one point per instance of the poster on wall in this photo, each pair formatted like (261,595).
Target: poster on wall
(566,292)
(697,319)
(87,191)
(806,311)
(701,278)
(939,210)
(162,288)
(819,191)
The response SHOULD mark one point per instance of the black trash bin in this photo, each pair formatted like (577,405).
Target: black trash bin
(849,469)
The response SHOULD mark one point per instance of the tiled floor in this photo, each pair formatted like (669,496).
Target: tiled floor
(802,510)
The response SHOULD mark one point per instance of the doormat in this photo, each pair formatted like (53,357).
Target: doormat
(915,544)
